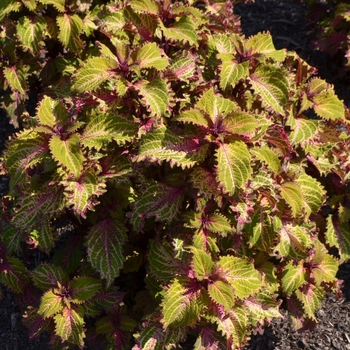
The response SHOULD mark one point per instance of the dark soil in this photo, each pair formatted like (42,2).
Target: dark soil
(287,23)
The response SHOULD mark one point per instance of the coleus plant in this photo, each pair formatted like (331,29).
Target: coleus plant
(203,175)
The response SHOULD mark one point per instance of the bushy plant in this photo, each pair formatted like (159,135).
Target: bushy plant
(193,165)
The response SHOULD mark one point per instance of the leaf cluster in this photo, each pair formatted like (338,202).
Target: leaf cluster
(203,175)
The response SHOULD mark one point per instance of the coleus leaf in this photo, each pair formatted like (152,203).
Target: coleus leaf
(337,234)
(181,68)
(29,32)
(218,223)
(162,262)
(262,43)
(154,95)
(293,242)
(262,307)
(96,71)
(194,116)
(272,87)
(149,56)
(209,339)
(7,6)
(46,276)
(58,4)
(37,207)
(293,277)
(182,30)
(13,274)
(16,78)
(311,297)
(240,274)
(222,293)
(81,193)
(313,193)
(202,263)
(326,103)
(234,326)
(162,144)
(157,200)
(51,303)
(231,71)
(51,112)
(303,130)
(174,302)
(84,288)
(70,325)
(269,157)
(216,106)
(204,180)
(147,6)
(103,128)
(325,267)
(67,152)
(70,28)
(105,248)
(240,123)
(291,193)
(233,166)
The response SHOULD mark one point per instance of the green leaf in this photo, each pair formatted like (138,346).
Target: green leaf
(46,276)
(234,326)
(84,288)
(291,193)
(240,274)
(16,78)
(147,6)
(149,56)
(272,87)
(338,234)
(70,326)
(216,106)
(325,270)
(203,264)
(68,153)
(328,106)
(262,43)
(293,277)
(96,71)
(313,193)
(218,223)
(14,274)
(240,123)
(162,145)
(105,248)
(231,71)
(162,261)
(266,155)
(159,201)
(155,95)
(58,4)
(30,31)
(293,242)
(181,68)
(193,116)
(174,303)
(303,130)
(233,169)
(204,180)
(182,30)
(222,293)
(70,28)
(81,194)
(51,303)
(8,6)
(311,297)
(51,112)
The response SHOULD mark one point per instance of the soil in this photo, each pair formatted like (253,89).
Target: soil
(290,29)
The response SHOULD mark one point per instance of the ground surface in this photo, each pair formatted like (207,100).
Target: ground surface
(286,22)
